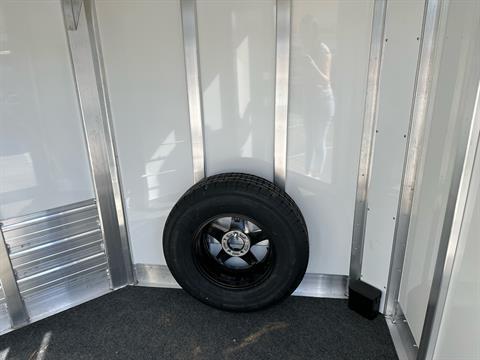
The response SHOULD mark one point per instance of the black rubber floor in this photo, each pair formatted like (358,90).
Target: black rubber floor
(151,323)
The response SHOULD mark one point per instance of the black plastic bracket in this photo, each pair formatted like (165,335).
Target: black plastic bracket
(364,298)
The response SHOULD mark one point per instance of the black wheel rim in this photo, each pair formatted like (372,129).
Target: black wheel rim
(233,251)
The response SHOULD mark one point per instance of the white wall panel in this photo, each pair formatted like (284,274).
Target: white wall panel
(328,78)
(456,72)
(43,157)
(237,70)
(460,326)
(403,27)
(143,53)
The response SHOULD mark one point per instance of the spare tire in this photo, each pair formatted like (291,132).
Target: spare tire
(236,242)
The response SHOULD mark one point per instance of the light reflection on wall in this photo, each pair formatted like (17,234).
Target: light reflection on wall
(328,71)
(155,168)
(210,94)
(237,66)
(313,109)
(243,79)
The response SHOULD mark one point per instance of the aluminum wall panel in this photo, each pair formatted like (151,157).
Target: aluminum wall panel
(24,235)
(236,43)
(328,81)
(58,257)
(64,295)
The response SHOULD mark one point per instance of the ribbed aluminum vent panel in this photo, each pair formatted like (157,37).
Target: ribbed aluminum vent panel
(58,257)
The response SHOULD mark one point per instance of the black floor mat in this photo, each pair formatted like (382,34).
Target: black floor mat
(152,323)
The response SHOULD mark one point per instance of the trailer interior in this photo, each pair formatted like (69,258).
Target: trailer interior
(240,179)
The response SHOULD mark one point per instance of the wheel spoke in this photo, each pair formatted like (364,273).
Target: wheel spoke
(244,226)
(250,258)
(215,231)
(223,256)
(256,237)
(222,223)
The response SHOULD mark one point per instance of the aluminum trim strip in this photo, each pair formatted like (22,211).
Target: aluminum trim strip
(314,285)
(368,138)
(72,13)
(114,166)
(16,307)
(463,168)
(415,141)
(195,107)
(5,324)
(402,336)
(2,294)
(155,276)
(41,216)
(86,68)
(282,74)
(323,286)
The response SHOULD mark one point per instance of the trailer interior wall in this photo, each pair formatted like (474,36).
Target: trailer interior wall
(454,83)
(142,49)
(143,53)
(43,155)
(461,314)
(236,44)
(330,43)
(396,89)
(45,163)
(52,252)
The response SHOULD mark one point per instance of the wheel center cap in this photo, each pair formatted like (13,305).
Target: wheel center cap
(235,243)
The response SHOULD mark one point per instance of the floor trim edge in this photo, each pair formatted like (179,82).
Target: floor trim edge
(313,285)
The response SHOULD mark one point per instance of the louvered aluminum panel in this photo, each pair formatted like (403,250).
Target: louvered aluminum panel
(27,232)
(68,293)
(58,257)
(67,250)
